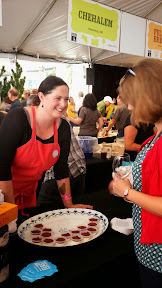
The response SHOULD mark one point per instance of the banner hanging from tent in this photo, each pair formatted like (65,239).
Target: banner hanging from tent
(93,24)
(153,40)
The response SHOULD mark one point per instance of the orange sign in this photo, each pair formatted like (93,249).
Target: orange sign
(8,213)
(155,36)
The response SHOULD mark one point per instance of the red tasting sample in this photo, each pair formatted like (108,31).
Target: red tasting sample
(92,224)
(36,240)
(38,225)
(86,234)
(60,240)
(76,238)
(82,227)
(93,219)
(46,234)
(48,240)
(66,235)
(92,230)
(47,229)
(35,232)
(75,231)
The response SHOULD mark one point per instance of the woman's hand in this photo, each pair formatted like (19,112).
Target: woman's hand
(105,133)
(81,206)
(120,185)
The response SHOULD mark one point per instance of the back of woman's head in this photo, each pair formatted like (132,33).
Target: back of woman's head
(142,88)
(90,101)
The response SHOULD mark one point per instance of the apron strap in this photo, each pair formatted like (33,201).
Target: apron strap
(34,128)
(55,132)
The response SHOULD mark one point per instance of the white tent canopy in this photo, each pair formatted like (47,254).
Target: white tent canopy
(37,29)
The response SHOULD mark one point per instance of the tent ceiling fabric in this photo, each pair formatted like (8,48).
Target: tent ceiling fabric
(41,27)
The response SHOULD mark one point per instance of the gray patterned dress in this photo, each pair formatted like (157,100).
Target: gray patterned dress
(148,255)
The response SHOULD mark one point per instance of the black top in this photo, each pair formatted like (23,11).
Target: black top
(2,115)
(16,103)
(15,131)
(143,133)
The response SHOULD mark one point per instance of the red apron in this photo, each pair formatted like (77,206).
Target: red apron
(30,161)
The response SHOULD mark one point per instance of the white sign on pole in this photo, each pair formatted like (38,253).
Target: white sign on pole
(133,30)
(93,24)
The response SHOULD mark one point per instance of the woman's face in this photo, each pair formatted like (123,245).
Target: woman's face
(56,102)
(71,101)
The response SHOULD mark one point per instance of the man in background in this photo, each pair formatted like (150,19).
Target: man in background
(103,104)
(79,103)
(13,96)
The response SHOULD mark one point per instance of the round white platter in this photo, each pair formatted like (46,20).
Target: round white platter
(62,221)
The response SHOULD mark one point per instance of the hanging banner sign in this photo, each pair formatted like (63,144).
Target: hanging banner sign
(154,40)
(93,24)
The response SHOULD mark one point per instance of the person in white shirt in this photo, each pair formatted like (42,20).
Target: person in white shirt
(79,102)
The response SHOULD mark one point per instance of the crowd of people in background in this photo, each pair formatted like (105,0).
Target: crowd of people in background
(41,121)
(85,112)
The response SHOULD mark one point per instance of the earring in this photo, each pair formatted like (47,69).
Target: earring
(42,105)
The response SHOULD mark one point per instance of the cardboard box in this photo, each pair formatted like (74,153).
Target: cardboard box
(8,213)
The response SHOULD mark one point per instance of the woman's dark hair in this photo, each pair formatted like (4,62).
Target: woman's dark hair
(49,84)
(90,101)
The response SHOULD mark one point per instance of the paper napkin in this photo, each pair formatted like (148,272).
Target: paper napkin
(124,226)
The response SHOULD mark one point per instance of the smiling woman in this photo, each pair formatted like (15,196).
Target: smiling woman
(37,138)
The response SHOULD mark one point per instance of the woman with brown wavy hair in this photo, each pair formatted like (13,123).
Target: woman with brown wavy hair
(141,88)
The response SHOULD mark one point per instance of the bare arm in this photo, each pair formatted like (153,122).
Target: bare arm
(77,121)
(130,133)
(7,190)
(101,123)
(65,190)
(152,204)
(111,124)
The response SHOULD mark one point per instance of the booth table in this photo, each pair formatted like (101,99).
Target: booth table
(106,260)
(108,139)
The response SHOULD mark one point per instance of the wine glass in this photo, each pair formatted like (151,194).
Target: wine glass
(122,166)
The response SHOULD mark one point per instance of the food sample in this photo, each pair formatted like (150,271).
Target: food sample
(60,240)
(75,232)
(36,232)
(48,240)
(92,224)
(46,234)
(47,229)
(67,235)
(38,225)
(92,230)
(82,227)
(43,234)
(93,219)
(86,234)
(37,240)
(76,238)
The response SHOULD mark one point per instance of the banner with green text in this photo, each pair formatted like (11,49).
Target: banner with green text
(93,24)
